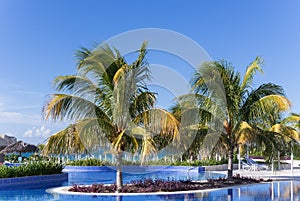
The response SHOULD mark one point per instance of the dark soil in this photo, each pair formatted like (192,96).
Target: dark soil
(158,185)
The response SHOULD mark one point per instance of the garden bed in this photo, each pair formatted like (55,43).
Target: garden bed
(150,185)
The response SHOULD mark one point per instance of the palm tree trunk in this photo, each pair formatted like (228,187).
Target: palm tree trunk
(230,162)
(119,177)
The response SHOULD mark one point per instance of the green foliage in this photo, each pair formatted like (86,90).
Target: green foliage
(89,162)
(13,158)
(98,162)
(200,162)
(31,169)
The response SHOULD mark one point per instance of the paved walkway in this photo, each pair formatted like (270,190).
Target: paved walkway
(276,175)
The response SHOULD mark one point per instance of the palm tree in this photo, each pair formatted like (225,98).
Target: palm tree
(234,105)
(289,127)
(277,129)
(110,104)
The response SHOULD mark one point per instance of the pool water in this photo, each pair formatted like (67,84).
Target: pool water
(285,190)
(110,177)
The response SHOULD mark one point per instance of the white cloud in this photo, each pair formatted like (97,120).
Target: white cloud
(28,133)
(37,132)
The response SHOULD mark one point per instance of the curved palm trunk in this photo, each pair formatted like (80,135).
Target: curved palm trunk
(119,177)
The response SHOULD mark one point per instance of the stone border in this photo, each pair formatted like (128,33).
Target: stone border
(30,182)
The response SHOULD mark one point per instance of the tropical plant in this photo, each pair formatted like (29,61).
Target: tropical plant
(89,162)
(275,129)
(111,106)
(288,128)
(230,106)
(31,169)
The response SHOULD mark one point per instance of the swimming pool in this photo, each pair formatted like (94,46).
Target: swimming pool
(284,190)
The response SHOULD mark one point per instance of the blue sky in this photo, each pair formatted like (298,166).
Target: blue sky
(38,40)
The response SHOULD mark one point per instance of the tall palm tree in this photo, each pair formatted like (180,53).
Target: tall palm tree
(234,105)
(110,104)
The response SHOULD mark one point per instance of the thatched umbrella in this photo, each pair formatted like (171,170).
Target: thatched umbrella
(20,147)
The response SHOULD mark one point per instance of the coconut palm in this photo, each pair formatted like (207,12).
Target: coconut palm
(289,126)
(276,130)
(234,105)
(110,104)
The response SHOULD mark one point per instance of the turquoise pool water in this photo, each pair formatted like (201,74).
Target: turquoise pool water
(286,190)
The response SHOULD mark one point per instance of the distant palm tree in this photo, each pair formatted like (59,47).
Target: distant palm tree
(289,127)
(277,130)
(231,107)
(111,104)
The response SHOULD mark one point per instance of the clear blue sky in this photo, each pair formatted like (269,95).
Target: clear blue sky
(38,40)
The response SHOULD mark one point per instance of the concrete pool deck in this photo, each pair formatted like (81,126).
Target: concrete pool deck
(267,174)
(285,174)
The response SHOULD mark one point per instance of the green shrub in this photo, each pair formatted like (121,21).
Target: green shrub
(89,162)
(31,169)
(97,162)
(200,162)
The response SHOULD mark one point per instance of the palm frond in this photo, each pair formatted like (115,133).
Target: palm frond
(293,119)
(244,133)
(251,70)
(81,55)
(264,104)
(256,97)
(159,122)
(141,102)
(141,60)
(148,148)
(79,85)
(287,131)
(95,133)
(63,106)
(117,143)
(66,141)
(121,72)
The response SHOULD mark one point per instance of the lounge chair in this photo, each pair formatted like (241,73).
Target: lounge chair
(245,166)
(254,165)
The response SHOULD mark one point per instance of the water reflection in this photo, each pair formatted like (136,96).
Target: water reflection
(283,191)
(286,191)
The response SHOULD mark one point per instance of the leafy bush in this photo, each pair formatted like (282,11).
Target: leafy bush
(89,162)
(200,163)
(98,162)
(31,169)
(13,158)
